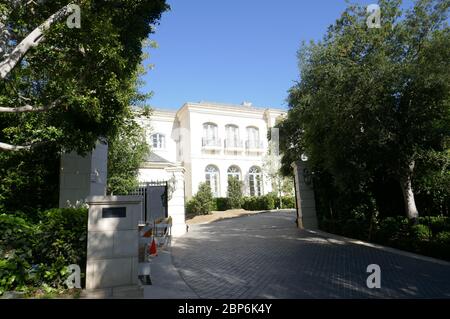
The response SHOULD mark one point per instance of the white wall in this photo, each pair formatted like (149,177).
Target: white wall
(162,122)
(189,120)
(152,175)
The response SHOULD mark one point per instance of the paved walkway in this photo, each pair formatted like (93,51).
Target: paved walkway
(265,256)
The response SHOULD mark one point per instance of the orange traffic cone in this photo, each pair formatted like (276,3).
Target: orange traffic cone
(152,249)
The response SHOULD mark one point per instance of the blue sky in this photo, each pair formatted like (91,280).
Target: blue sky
(233,51)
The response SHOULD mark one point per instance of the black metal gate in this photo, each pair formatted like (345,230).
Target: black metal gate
(155,200)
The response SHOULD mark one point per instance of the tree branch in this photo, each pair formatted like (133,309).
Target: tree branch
(9,147)
(31,40)
(28,108)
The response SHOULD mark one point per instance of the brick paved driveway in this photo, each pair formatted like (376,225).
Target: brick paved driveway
(265,256)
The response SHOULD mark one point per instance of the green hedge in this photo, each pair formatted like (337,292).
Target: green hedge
(287,201)
(221,204)
(34,255)
(266,202)
(429,236)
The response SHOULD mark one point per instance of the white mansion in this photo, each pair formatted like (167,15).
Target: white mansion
(209,142)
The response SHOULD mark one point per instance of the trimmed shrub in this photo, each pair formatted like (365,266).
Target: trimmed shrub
(221,204)
(202,203)
(249,203)
(392,230)
(265,202)
(268,202)
(234,199)
(288,201)
(191,207)
(440,246)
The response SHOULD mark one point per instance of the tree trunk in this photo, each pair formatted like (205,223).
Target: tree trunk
(408,195)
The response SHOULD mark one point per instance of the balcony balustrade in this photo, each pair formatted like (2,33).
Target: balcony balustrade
(254,145)
(233,144)
(211,143)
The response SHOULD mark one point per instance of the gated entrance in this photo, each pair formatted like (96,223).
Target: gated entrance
(155,200)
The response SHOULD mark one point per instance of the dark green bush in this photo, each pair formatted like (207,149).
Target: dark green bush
(63,241)
(330,225)
(437,224)
(288,201)
(266,202)
(355,228)
(421,238)
(191,207)
(440,246)
(420,232)
(234,193)
(392,230)
(16,252)
(37,254)
(202,203)
(222,204)
(249,203)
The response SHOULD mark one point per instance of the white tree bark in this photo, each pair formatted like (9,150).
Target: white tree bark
(408,195)
(28,108)
(32,40)
(9,147)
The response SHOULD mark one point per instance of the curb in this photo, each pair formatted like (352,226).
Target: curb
(380,247)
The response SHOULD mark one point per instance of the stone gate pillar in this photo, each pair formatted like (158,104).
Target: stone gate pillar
(305,201)
(83,176)
(176,203)
(113,244)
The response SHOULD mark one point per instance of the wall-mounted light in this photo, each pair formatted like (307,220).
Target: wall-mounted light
(304,157)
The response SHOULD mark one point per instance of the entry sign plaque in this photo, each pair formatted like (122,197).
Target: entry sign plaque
(114,212)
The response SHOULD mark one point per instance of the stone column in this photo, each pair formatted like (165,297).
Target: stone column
(306,205)
(113,245)
(176,203)
(83,176)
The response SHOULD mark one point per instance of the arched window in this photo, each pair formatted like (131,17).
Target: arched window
(158,141)
(234,171)
(212,179)
(232,136)
(255,181)
(253,137)
(210,135)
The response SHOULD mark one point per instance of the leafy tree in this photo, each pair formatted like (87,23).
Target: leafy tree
(282,184)
(370,102)
(125,154)
(29,180)
(234,192)
(69,86)
(64,90)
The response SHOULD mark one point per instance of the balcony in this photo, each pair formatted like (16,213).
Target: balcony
(254,146)
(210,144)
(233,145)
